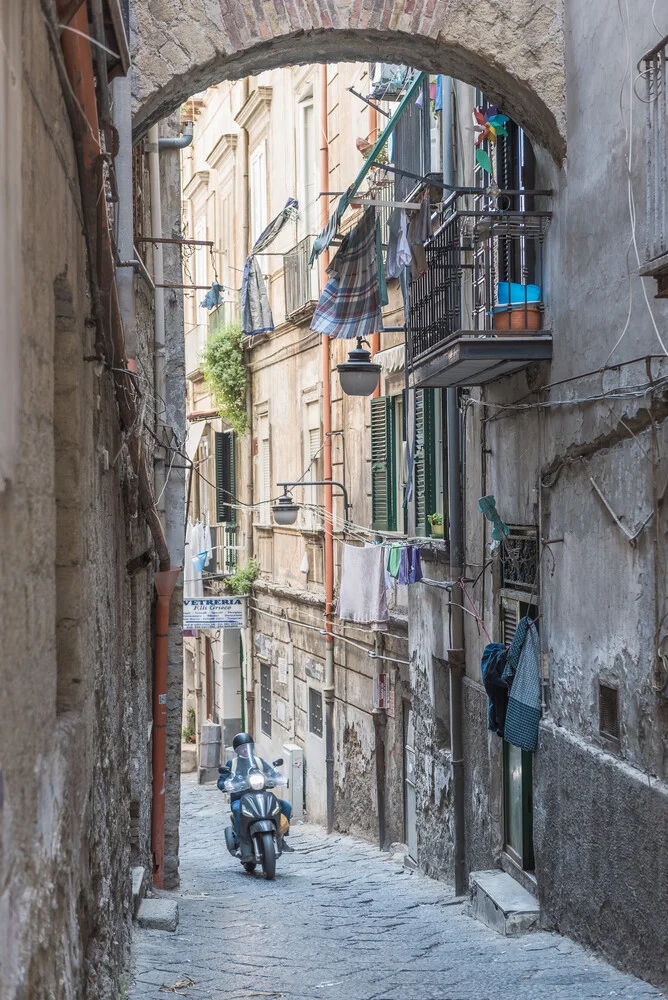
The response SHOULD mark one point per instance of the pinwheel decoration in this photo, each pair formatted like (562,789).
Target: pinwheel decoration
(489,125)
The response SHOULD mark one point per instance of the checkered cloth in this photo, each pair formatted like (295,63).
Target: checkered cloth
(523,713)
(350,305)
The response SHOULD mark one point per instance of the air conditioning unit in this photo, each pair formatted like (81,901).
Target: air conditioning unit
(293,764)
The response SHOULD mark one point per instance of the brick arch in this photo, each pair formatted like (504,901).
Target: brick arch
(512,49)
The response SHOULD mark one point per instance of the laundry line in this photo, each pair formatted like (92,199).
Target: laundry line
(354,628)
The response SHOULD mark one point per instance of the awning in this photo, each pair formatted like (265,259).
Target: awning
(391,360)
(193,437)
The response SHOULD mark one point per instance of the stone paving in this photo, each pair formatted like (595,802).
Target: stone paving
(342,920)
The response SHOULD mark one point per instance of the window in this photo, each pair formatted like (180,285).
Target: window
(315,712)
(383,471)
(226,489)
(428,460)
(519,559)
(265,698)
(306,168)
(608,712)
(258,190)
(312,441)
(264,467)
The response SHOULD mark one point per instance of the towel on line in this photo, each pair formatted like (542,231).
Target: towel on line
(362,592)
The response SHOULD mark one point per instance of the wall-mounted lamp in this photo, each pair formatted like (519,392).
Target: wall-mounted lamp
(359,375)
(285,510)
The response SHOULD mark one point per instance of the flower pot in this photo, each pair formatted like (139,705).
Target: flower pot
(437,531)
(517,318)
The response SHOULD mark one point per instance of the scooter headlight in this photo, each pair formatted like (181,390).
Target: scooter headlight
(256,781)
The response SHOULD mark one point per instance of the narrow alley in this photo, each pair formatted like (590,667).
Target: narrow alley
(342,920)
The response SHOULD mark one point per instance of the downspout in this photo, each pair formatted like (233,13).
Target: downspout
(374,339)
(455,490)
(159,293)
(327,462)
(164,585)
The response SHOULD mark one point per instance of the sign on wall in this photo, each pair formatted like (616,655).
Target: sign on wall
(214,612)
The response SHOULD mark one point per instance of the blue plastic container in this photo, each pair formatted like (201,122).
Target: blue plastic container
(514,294)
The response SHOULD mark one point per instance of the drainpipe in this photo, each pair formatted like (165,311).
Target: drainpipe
(180,142)
(374,339)
(158,272)
(380,730)
(455,491)
(164,585)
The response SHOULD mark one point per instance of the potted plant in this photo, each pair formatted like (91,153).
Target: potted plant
(436,525)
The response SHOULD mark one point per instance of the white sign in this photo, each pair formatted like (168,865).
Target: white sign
(214,612)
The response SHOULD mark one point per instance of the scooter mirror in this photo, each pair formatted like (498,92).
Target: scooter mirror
(278,762)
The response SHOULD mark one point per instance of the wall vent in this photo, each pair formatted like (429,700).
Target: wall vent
(608,712)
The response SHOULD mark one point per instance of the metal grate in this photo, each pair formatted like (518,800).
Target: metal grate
(519,559)
(265,698)
(315,725)
(608,712)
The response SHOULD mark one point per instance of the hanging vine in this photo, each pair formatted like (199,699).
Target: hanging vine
(225,373)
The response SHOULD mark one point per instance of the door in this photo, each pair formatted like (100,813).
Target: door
(410,820)
(517,764)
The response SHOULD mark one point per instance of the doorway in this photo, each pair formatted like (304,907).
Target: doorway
(410,811)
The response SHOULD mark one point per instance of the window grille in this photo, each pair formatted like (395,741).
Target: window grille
(608,712)
(315,724)
(265,698)
(519,560)
(302,286)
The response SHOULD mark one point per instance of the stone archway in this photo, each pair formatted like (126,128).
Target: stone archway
(513,49)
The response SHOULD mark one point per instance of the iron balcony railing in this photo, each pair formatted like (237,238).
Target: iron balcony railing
(302,286)
(653,68)
(483,273)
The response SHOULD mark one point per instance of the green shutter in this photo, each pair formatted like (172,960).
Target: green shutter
(225,477)
(383,476)
(424,466)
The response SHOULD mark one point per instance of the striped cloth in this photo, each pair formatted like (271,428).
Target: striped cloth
(523,713)
(256,314)
(350,305)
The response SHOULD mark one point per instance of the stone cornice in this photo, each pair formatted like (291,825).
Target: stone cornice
(225,146)
(198,181)
(258,103)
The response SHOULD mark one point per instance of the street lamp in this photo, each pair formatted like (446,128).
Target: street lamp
(286,510)
(359,375)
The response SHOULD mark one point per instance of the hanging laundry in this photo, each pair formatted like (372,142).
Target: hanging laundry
(322,241)
(350,304)
(419,231)
(523,713)
(192,576)
(205,542)
(394,560)
(362,591)
(438,98)
(487,506)
(256,314)
(410,566)
(515,649)
(398,247)
(492,667)
(212,299)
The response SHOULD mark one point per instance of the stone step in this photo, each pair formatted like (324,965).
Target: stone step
(158,914)
(501,903)
(138,888)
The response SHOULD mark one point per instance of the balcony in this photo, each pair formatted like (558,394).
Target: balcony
(224,547)
(302,285)
(477,312)
(653,70)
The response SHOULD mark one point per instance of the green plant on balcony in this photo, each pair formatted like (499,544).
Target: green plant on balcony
(436,522)
(225,373)
(242,581)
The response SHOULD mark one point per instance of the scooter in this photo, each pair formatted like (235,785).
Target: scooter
(261,820)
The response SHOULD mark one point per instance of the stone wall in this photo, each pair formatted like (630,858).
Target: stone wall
(70,659)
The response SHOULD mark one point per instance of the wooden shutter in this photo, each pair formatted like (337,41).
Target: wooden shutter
(424,466)
(383,474)
(510,616)
(225,477)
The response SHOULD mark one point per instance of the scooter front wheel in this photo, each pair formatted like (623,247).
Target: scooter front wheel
(268,856)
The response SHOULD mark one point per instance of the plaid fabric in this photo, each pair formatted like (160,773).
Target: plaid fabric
(350,303)
(256,314)
(515,650)
(523,713)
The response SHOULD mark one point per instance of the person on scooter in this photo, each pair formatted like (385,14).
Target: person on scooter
(242,744)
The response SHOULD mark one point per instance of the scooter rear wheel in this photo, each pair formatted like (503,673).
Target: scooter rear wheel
(268,856)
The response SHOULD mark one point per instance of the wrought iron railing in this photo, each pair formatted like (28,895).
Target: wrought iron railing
(483,273)
(653,68)
(302,286)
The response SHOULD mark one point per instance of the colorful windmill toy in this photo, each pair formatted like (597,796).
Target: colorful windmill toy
(489,125)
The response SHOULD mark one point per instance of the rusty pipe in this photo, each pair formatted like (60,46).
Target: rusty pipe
(164,585)
(374,339)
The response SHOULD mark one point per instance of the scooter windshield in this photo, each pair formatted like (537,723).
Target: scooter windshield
(248,772)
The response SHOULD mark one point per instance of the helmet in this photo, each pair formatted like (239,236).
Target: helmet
(240,739)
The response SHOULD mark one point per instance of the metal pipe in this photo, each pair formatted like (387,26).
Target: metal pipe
(329,690)
(170,142)
(374,338)
(158,259)
(164,585)
(456,654)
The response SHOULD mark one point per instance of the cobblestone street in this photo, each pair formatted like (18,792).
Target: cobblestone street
(342,921)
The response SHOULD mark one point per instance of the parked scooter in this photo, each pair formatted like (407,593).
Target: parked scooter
(261,822)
